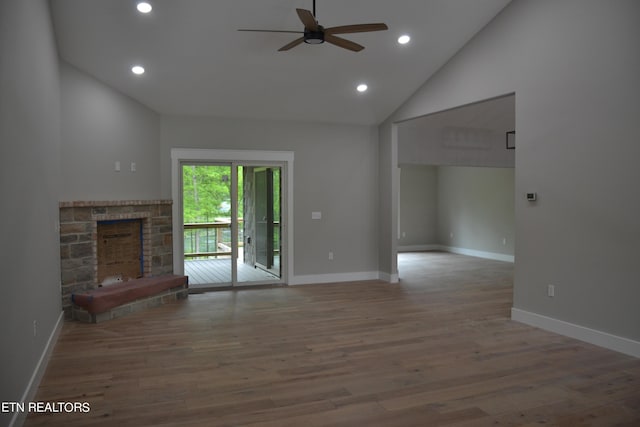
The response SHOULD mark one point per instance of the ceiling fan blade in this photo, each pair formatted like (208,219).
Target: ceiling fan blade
(307,19)
(344,43)
(273,31)
(294,43)
(358,28)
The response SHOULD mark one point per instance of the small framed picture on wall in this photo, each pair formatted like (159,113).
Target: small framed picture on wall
(511,140)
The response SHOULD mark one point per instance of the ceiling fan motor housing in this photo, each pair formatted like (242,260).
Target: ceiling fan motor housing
(314,37)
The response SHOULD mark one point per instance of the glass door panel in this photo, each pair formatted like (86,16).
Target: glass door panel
(261,225)
(206,205)
(264,218)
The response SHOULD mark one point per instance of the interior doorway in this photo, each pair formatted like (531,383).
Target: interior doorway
(456,181)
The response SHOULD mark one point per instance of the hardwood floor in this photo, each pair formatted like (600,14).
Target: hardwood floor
(436,349)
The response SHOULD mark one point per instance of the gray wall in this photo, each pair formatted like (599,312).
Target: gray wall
(438,146)
(389,184)
(574,68)
(30,179)
(418,206)
(102,126)
(335,173)
(476,206)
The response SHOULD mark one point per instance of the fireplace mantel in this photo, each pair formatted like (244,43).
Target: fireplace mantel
(100,203)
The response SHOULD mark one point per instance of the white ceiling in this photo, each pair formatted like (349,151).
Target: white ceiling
(198,64)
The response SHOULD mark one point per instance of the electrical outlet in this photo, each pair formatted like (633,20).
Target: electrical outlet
(551,290)
(504,240)
(133,166)
(330,256)
(35,328)
(116,166)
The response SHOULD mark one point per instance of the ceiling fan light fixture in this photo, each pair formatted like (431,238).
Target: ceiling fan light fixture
(314,37)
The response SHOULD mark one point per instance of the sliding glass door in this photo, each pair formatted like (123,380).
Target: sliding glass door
(231,223)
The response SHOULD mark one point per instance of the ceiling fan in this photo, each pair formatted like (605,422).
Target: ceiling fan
(315,33)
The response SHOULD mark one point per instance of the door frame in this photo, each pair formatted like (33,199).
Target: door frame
(284,159)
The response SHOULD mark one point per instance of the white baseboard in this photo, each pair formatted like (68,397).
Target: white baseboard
(592,336)
(335,278)
(419,248)
(479,254)
(390,278)
(29,394)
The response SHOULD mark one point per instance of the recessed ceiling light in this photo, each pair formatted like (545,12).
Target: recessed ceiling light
(144,7)
(362,87)
(137,69)
(404,39)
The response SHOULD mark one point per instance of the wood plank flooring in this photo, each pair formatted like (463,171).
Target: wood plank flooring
(436,349)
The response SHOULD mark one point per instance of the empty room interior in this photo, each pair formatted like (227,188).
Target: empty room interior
(323,213)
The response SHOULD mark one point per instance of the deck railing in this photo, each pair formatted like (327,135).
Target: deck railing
(210,239)
(213,239)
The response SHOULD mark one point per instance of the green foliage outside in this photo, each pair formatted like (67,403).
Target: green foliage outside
(207,193)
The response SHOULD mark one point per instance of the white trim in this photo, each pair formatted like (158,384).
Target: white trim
(419,248)
(335,278)
(389,278)
(592,336)
(454,250)
(29,394)
(479,254)
(209,155)
(206,154)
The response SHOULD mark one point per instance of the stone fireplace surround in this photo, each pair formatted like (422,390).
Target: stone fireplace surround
(78,240)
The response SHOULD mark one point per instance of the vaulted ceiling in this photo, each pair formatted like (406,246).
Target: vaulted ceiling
(197,63)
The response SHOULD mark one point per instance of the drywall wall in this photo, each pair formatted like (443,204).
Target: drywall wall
(100,127)
(462,146)
(418,207)
(574,68)
(475,209)
(30,178)
(388,204)
(335,173)
(462,209)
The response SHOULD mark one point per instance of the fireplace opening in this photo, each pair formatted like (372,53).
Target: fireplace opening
(120,254)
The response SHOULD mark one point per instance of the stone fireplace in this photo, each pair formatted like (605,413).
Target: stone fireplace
(132,238)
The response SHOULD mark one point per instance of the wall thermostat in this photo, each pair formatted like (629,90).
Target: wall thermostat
(532,197)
